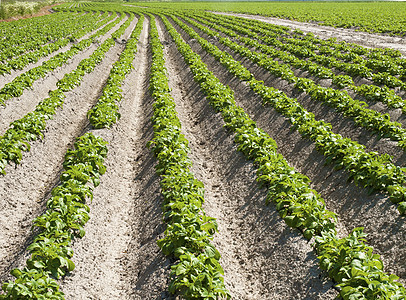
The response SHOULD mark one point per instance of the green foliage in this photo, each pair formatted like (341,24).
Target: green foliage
(38,39)
(197,274)
(29,128)
(340,100)
(64,219)
(377,173)
(358,271)
(349,261)
(381,17)
(26,80)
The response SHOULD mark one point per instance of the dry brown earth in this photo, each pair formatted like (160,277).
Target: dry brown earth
(118,258)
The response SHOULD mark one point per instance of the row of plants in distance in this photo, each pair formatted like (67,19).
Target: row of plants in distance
(381,17)
(34,34)
(30,127)
(340,100)
(371,170)
(320,66)
(105,113)
(348,261)
(371,59)
(72,33)
(197,273)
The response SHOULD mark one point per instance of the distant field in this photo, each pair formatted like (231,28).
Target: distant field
(167,153)
(383,17)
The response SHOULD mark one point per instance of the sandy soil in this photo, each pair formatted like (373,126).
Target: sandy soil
(16,108)
(353,204)
(252,236)
(342,34)
(24,189)
(118,258)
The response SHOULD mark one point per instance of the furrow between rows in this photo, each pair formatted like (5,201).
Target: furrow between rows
(24,189)
(120,240)
(251,237)
(352,203)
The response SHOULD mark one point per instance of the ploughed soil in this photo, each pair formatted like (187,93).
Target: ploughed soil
(118,258)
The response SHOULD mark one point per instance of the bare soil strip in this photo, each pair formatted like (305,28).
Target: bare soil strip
(23,190)
(118,258)
(386,228)
(261,256)
(17,108)
(340,124)
(342,34)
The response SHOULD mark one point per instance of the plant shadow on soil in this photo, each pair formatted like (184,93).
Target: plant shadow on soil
(354,206)
(268,239)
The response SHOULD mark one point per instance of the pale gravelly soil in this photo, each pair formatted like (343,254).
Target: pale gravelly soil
(24,189)
(354,206)
(261,256)
(118,258)
(16,108)
(342,34)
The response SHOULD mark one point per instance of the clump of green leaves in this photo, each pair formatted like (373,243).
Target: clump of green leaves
(356,269)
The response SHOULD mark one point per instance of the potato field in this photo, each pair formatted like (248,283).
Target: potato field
(175,151)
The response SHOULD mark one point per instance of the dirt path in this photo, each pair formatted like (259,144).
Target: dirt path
(16,108)
(118,258)
(354,206)
(261,256)
(342,34)
(23,189)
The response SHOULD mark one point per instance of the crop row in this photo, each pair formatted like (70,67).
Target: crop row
(89,23)
(340,100)
(16,139)
(105,113)
(67,211)
(37,33)
(197,273)
(300,57)
(369,169)
(63,220)
(348,261)
(382,17)
(27,79)
(370,60)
